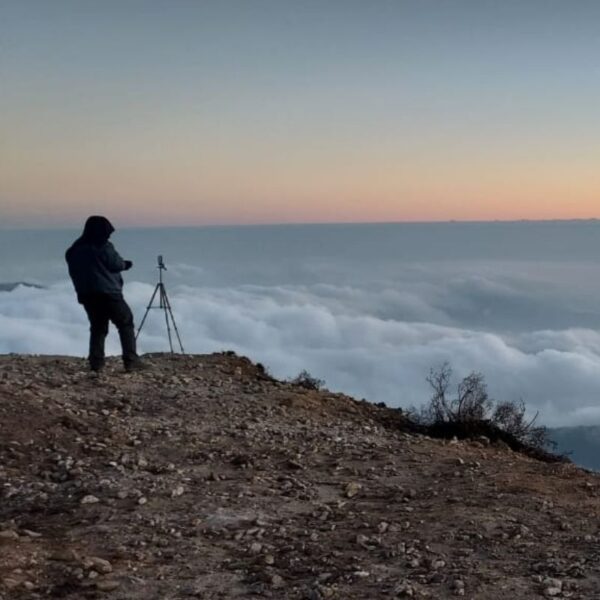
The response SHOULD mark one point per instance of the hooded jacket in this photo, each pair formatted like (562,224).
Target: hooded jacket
(94,264)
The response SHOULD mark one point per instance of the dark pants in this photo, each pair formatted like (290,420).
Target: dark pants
(100,309)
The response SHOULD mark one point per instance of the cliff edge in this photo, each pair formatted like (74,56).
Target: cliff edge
(205,478)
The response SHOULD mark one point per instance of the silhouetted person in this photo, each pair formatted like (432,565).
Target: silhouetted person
(95,268)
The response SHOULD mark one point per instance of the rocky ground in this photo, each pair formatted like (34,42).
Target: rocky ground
(204,478)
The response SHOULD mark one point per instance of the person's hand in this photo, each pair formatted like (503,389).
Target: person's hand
(128,265)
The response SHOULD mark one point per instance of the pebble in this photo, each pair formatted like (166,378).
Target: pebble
(255,548)
(552,587)
(352,489)
(89,499)
(178,491)
(99,564)
(10,583)
(31,534)
(107,585)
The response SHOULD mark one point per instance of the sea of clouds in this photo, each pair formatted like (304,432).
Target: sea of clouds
(368,323)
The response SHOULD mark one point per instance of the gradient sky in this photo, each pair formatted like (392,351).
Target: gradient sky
(256,111)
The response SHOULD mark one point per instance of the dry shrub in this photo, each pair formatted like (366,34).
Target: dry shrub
(305,380)
(472,412)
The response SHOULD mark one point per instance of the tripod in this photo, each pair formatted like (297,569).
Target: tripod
(165,305)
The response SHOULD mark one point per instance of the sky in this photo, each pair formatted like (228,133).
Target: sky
(186,112)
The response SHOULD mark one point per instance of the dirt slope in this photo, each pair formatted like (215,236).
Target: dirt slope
(205,479)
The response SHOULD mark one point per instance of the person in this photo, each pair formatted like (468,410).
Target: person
(95,268)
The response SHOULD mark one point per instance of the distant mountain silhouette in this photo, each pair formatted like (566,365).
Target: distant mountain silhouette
(581,443)
(10,286)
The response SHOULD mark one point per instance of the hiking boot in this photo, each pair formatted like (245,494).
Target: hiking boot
(136,365)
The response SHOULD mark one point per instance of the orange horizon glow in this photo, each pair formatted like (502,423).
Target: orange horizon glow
(218,113)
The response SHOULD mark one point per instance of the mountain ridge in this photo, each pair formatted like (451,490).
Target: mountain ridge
(206,478)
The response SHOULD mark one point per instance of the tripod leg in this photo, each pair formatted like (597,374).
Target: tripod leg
(163,303)
(147,311)
(168,305)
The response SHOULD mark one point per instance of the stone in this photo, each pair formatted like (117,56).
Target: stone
(404,590)
(10,583)
(64,556)
(255,548)
(31,534)
(352,489)
(107,585)
(89,499)
(98,564)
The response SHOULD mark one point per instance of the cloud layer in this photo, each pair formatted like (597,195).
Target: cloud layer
(368,308)
(377,342)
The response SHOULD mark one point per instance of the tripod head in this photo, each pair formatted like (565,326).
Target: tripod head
(161,264)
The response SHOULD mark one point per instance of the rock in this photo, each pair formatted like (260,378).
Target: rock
(10,583)
(361,574)
(107,585)
(31,534)
(277,581)
(404,590)
(552,587)
(178,491)
(64,556)
(351,489)
(89,499)
(458,587)
(9,535)
(255,548)
(98,564)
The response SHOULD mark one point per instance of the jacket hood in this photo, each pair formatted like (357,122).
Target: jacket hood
(97,230)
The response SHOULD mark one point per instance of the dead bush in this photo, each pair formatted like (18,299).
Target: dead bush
(472,412)
(305,380)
